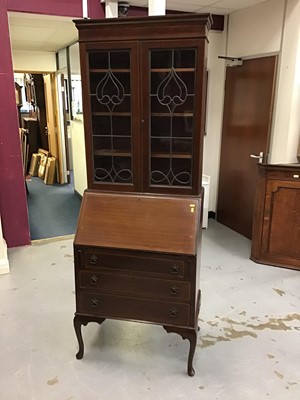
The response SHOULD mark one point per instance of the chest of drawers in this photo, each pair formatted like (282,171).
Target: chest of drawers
(136,258)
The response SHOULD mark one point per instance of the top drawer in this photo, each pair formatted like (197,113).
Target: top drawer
(147,264)
(289,172)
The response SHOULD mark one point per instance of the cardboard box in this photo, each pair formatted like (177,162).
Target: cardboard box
(50,171)
(43,162)
(34,164)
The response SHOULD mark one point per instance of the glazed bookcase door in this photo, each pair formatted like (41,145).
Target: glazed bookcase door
(111,109)
(173,79)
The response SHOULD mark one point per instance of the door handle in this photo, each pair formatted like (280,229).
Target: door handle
(260,157)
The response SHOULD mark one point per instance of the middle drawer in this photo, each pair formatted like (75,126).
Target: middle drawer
(134,285)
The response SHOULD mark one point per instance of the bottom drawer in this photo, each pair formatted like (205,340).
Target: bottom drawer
(135,309)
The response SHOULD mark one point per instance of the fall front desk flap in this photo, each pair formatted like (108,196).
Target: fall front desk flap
(139,222)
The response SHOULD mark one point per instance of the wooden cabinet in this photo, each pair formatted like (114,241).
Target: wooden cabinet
(136,258)
(144,83)
(276,223)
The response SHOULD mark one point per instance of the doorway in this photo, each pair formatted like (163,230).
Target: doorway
(247,120)
(52,204)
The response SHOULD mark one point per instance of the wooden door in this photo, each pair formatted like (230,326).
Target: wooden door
(52,120)
(63,123)
(41,106)
(247,118)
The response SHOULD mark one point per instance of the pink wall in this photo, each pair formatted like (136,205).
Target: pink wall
(13,204)
(68,8)
(95,9)
(13,201)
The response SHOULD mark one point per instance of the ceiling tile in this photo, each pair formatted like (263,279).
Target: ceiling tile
(215,10)
(237,4)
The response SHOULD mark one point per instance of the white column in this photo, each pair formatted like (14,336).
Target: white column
(111,9)
(4,265)
(287,103)
(156,7)
(84,9)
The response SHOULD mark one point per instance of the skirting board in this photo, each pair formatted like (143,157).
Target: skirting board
(4,264)
(4,267)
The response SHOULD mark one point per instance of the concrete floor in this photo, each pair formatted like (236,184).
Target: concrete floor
(248,346)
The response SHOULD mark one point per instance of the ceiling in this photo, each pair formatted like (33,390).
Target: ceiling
(203,6)
(40,32)
(51,33)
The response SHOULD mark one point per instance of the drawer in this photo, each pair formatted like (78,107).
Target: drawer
(147,264)
(284,173)
(134,285)
(122,307)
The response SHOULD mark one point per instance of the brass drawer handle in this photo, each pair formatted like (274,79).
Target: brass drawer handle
(94,280)
(174,291)
(95,303)
(93,259)
(174,313)
(174,269)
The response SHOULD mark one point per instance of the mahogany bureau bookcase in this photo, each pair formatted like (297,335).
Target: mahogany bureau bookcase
(144,91)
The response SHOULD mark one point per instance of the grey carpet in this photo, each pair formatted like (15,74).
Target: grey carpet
(53,209)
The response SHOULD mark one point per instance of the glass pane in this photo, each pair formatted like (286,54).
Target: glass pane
(98,59)
(110,99)
(120,59)
(161,146)
(182,146)
(173,58)
(112,145)
(76,103)
(110,81)
(172,102)
(62,59)
(187,77)
(111,169)
(175,172)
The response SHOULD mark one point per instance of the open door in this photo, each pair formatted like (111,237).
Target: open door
(57,124)
(247,119)
(64,140)
(52,122)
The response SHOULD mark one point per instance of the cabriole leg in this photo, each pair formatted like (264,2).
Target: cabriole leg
(77,326)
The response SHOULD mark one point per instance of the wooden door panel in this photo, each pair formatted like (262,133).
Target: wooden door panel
(52,122)
(110,102)
(247,117)
(173,79)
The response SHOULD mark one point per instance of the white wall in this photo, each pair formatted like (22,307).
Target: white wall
(256,30)
(273,27)
(215,98)
(286,128)
(252,32)
(4,263)
(78,154)
(33,61)
(268,28)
